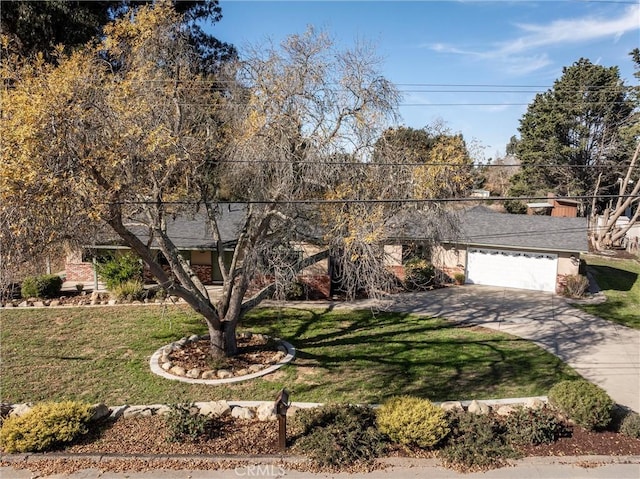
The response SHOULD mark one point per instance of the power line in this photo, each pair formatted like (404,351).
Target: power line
(373,201)
(621,164)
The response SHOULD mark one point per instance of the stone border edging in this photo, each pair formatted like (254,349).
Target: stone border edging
(154,363)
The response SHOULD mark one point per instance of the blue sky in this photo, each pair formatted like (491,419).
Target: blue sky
(476,65)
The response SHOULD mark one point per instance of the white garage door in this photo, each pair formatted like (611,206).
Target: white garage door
(512,269)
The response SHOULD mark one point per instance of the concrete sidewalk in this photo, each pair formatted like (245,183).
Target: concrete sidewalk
(605,353)
(582,467)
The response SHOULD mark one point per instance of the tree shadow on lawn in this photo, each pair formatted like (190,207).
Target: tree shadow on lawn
(390,354)
(614,278)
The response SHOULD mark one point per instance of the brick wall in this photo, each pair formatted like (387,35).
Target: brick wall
(79,272)
(203,272)
(319,285)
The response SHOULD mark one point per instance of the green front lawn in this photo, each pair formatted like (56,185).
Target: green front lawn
(620,282)
(101,354)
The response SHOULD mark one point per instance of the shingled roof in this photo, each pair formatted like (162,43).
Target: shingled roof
(482,226)
(189,230)
(478,226)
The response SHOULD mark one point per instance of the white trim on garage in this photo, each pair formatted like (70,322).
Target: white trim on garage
(512,269)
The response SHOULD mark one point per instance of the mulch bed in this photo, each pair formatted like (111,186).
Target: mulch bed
(252,350)
(230,436)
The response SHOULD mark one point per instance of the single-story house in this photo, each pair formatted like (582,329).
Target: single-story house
(190,234)
(515,251)
(488,247)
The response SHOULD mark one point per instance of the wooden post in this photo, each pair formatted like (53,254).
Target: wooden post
(281,406)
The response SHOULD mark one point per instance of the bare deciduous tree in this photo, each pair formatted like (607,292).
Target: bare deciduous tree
(130,133)
(605,232)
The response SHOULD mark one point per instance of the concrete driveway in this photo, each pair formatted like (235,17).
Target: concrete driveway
(603,352)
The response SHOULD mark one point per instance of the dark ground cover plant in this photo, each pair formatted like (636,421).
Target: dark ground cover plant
(530,426)
(339,435)
(476,442)
(185,424)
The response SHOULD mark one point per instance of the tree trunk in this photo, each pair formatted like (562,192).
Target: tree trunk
(230,340)
(216,342)
(223,342)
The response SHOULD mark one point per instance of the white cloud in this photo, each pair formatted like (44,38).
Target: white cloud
(523,55)
(577,30)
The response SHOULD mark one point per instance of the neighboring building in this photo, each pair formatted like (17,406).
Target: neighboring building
(554,206)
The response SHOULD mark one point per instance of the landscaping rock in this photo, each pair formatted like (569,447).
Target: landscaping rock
(20,409)
(278,357)
(100,410)
(54,302)
(224,374)
(266,412)
(118,411)
(452,406)
(38,304)
(209,375)
(178,371)
(214,408)
(138,411)
(292,411)
(194,373)
(534,403)
(113,302)
(193,338)
(242,372)
(163,410)
(506,410)
(242,413)
(166,366)
(477,407)
(254,368)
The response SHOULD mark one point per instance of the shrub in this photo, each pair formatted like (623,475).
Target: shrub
(419,274)
(185,425)
(296,291)
(132,290)
(339,435)
(631,425)
(534,426)
(575,286)
(412,421)
(43,286)
(476,442)
(459,278)
(515,207)
(45,426)
(119,269)
(584,403)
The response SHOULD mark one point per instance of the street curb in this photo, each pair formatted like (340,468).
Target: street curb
(291,458)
